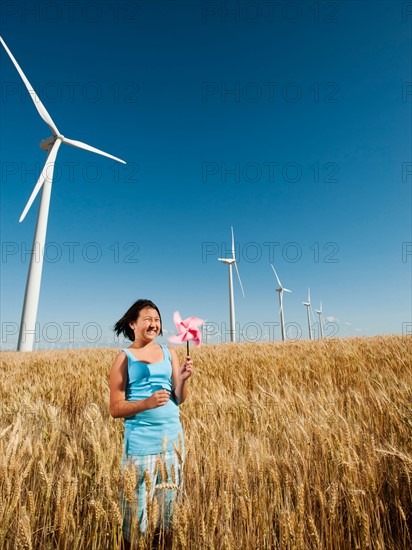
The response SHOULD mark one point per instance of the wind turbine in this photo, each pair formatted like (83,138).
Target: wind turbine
(230,262)
(281,290)
(320,313)
(308,306)
(51,145)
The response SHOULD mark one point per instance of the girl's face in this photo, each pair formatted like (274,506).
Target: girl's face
(147,326)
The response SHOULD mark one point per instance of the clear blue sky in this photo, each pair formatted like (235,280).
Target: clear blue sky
(290,121)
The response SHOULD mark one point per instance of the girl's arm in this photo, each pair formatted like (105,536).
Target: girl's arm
(180,375)
(119,406)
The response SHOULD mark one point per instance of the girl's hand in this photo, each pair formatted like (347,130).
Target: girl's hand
(186,369)
(157,399)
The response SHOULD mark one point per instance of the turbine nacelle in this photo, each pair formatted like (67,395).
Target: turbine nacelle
(308,302)
(227,260)
(48,142)
(281,289)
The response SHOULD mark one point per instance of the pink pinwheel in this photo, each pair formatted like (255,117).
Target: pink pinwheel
(187,330)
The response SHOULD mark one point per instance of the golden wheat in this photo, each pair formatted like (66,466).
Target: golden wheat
(290,445)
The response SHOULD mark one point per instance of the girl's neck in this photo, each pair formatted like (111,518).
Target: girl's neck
(140,345)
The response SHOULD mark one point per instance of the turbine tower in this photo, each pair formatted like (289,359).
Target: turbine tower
(281,290)
(51,145)
(307,305)
(320,313)
(230,262)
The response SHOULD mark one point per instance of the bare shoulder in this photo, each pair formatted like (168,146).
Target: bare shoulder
(120,362)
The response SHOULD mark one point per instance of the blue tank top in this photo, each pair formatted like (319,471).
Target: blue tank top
(145,431)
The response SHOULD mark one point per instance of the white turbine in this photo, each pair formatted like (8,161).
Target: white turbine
(281,290)
(320,313)
(51,145)
(230,262)
(308,306)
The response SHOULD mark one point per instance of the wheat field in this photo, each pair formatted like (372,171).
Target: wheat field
(303,445)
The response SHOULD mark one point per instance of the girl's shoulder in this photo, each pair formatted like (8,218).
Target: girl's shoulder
(126,353)
(121,360)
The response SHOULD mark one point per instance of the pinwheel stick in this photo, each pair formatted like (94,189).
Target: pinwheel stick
(187,347)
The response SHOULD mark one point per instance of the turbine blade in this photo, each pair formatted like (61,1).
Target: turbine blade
(46,174)
(37,103)
(309,295)
(277,278)
(286,290)
(240,281)
(233,243)
(82,145)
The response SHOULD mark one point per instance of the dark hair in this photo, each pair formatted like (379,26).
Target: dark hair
(122,326)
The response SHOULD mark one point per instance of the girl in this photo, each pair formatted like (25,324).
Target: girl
(147,385)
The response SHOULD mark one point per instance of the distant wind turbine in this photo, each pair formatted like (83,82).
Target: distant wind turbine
(51,145)
(230,262)
(308,306)
(281,290)
(320,313)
